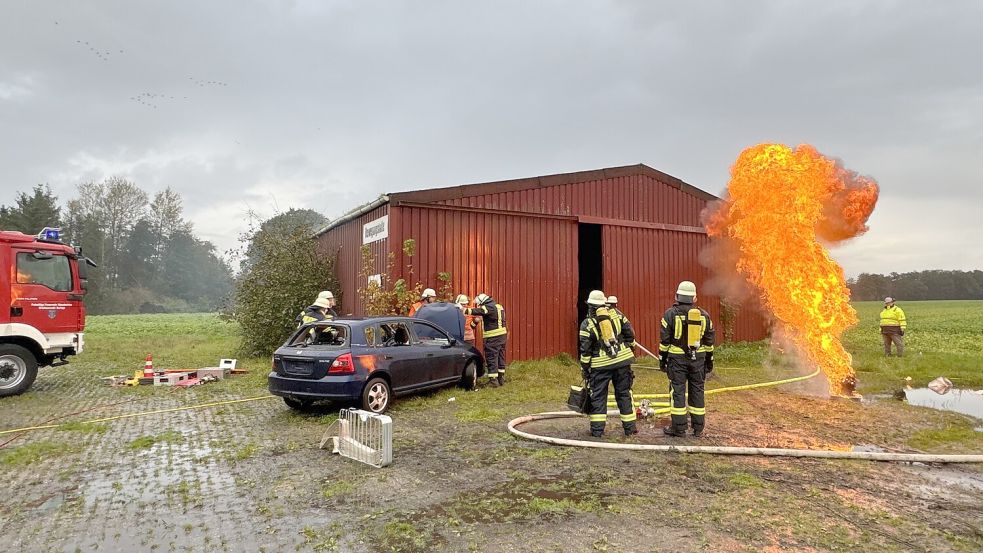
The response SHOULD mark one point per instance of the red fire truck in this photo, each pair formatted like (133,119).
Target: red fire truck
(42,282)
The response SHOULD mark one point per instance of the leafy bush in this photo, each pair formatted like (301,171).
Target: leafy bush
(284,274)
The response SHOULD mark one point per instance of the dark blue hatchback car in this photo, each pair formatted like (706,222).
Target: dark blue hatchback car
(370,361)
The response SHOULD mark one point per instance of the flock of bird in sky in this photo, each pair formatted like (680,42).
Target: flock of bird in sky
(150,100)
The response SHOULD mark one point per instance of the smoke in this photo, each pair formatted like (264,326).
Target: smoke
(846,212)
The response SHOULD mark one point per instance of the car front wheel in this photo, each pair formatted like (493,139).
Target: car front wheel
(469,379)
(376,396)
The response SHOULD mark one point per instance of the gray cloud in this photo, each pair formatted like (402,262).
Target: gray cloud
(270,105)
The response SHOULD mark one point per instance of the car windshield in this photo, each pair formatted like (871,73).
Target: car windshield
(323,336)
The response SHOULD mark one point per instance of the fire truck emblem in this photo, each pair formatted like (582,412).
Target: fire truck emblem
(52,313)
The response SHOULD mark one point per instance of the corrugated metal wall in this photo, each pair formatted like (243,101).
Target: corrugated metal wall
(642,267)
(528,264)
(631,198)
(669,256)
(346,240)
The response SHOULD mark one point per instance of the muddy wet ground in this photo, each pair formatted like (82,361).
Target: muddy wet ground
(249,477)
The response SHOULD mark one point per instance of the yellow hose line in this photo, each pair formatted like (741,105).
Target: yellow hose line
(141,414)
(612,403)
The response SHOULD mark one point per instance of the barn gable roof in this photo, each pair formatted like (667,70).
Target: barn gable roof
(432,195)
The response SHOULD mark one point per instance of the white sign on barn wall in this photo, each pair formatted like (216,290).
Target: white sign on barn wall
(374,231)
(376,279)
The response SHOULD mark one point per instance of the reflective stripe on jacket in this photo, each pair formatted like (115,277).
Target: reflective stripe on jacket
(492,318)
(673,338)
(893,316)
(312,314)
(591,347)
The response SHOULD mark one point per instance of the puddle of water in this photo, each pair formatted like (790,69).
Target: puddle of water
(185,467)
(966,402)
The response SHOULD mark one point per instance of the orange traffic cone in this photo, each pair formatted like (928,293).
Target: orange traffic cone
(148,367)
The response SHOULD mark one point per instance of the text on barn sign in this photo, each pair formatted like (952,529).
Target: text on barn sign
(375,230)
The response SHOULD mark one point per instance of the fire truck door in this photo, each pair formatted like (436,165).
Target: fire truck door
(42,291)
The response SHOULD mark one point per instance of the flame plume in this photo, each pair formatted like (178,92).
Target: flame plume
(783,206)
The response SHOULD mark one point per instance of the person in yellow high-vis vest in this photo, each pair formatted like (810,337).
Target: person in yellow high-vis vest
(893,325)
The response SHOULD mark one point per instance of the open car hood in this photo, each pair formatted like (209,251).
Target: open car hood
(445,315)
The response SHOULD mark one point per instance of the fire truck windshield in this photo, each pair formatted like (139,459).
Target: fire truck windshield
(52,271)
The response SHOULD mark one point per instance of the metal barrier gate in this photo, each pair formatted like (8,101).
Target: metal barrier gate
(363,436)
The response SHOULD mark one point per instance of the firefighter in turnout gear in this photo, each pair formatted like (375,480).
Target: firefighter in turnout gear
(495,334)
(686,356)
(606,354)
(612,303)
(321,310)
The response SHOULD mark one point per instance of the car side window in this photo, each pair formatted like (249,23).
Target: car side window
(371,332)
(429,336)
(395,334)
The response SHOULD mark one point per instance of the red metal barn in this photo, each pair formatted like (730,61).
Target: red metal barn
(539,245)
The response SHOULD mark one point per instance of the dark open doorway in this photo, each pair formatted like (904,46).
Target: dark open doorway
(590,265)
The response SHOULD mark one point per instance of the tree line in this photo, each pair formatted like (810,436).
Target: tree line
(149,257)
(919,285)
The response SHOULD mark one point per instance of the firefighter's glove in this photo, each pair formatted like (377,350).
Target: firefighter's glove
(664,362)
(585,371)
(709,363)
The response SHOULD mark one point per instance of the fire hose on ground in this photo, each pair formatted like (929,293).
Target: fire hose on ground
(726,450)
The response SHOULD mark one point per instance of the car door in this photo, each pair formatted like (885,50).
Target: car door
(405,361)
(440,357)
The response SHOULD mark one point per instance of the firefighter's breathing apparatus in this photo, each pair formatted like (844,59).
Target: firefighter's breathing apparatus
(609,343)
(694,332)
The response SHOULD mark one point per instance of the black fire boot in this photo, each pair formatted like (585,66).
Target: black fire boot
(671,431)
(697,432)
(501,379)
(493,382)
(630,429)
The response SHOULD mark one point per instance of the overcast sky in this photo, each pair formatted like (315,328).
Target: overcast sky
(257,105)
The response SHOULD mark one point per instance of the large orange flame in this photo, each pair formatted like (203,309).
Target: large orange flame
(782,207)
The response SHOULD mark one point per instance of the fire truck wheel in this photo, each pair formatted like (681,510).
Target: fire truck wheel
(302,405)
(469,380)
(18,369)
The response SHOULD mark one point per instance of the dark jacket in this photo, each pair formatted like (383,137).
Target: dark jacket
(591,348)
(673,336)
